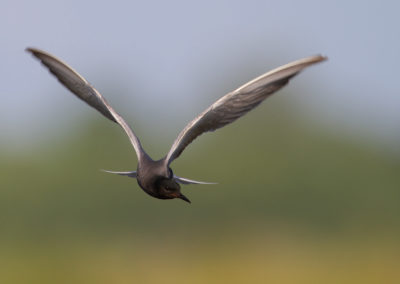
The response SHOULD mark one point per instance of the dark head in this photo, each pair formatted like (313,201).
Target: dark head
(169,189)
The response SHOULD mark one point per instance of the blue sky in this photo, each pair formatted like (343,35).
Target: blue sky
(187,54)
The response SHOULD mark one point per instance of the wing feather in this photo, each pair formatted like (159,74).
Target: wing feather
(86,92)
(237,103)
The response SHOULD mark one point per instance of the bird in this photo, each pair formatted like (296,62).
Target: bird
(155,177)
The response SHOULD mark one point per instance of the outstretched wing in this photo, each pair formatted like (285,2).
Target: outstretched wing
(237,103)
(83,90)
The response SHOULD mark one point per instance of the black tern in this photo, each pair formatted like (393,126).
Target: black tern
(156,177)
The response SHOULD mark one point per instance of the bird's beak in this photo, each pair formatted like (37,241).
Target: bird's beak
(181,196)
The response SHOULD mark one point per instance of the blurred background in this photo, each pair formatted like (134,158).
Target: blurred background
(308,183)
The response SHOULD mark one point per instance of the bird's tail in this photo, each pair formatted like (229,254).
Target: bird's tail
(132,174)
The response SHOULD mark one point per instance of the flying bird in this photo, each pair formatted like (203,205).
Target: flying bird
(156,177)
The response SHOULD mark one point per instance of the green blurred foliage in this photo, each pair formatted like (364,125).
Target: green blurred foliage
(294,203)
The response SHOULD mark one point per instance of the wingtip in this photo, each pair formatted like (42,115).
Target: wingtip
(308,60)
(318,58)
(31,49)
(323,57)
(315,58)
(36,52)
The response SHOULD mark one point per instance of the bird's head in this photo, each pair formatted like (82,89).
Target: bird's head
(169,189)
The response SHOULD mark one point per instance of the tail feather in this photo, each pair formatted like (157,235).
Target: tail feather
(132,174)
(190,181)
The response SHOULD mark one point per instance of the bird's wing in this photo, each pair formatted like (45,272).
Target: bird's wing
(190,181)
(83,90)
(129,174)
(237,103)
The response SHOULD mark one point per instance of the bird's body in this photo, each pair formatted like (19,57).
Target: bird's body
(156,177)
(151,173)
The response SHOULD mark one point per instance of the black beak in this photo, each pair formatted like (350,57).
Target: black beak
(181,196)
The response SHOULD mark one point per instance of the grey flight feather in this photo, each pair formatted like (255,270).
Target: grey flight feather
(190,181)
(86,92)
(237,103)
(181,180)
(129,174)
